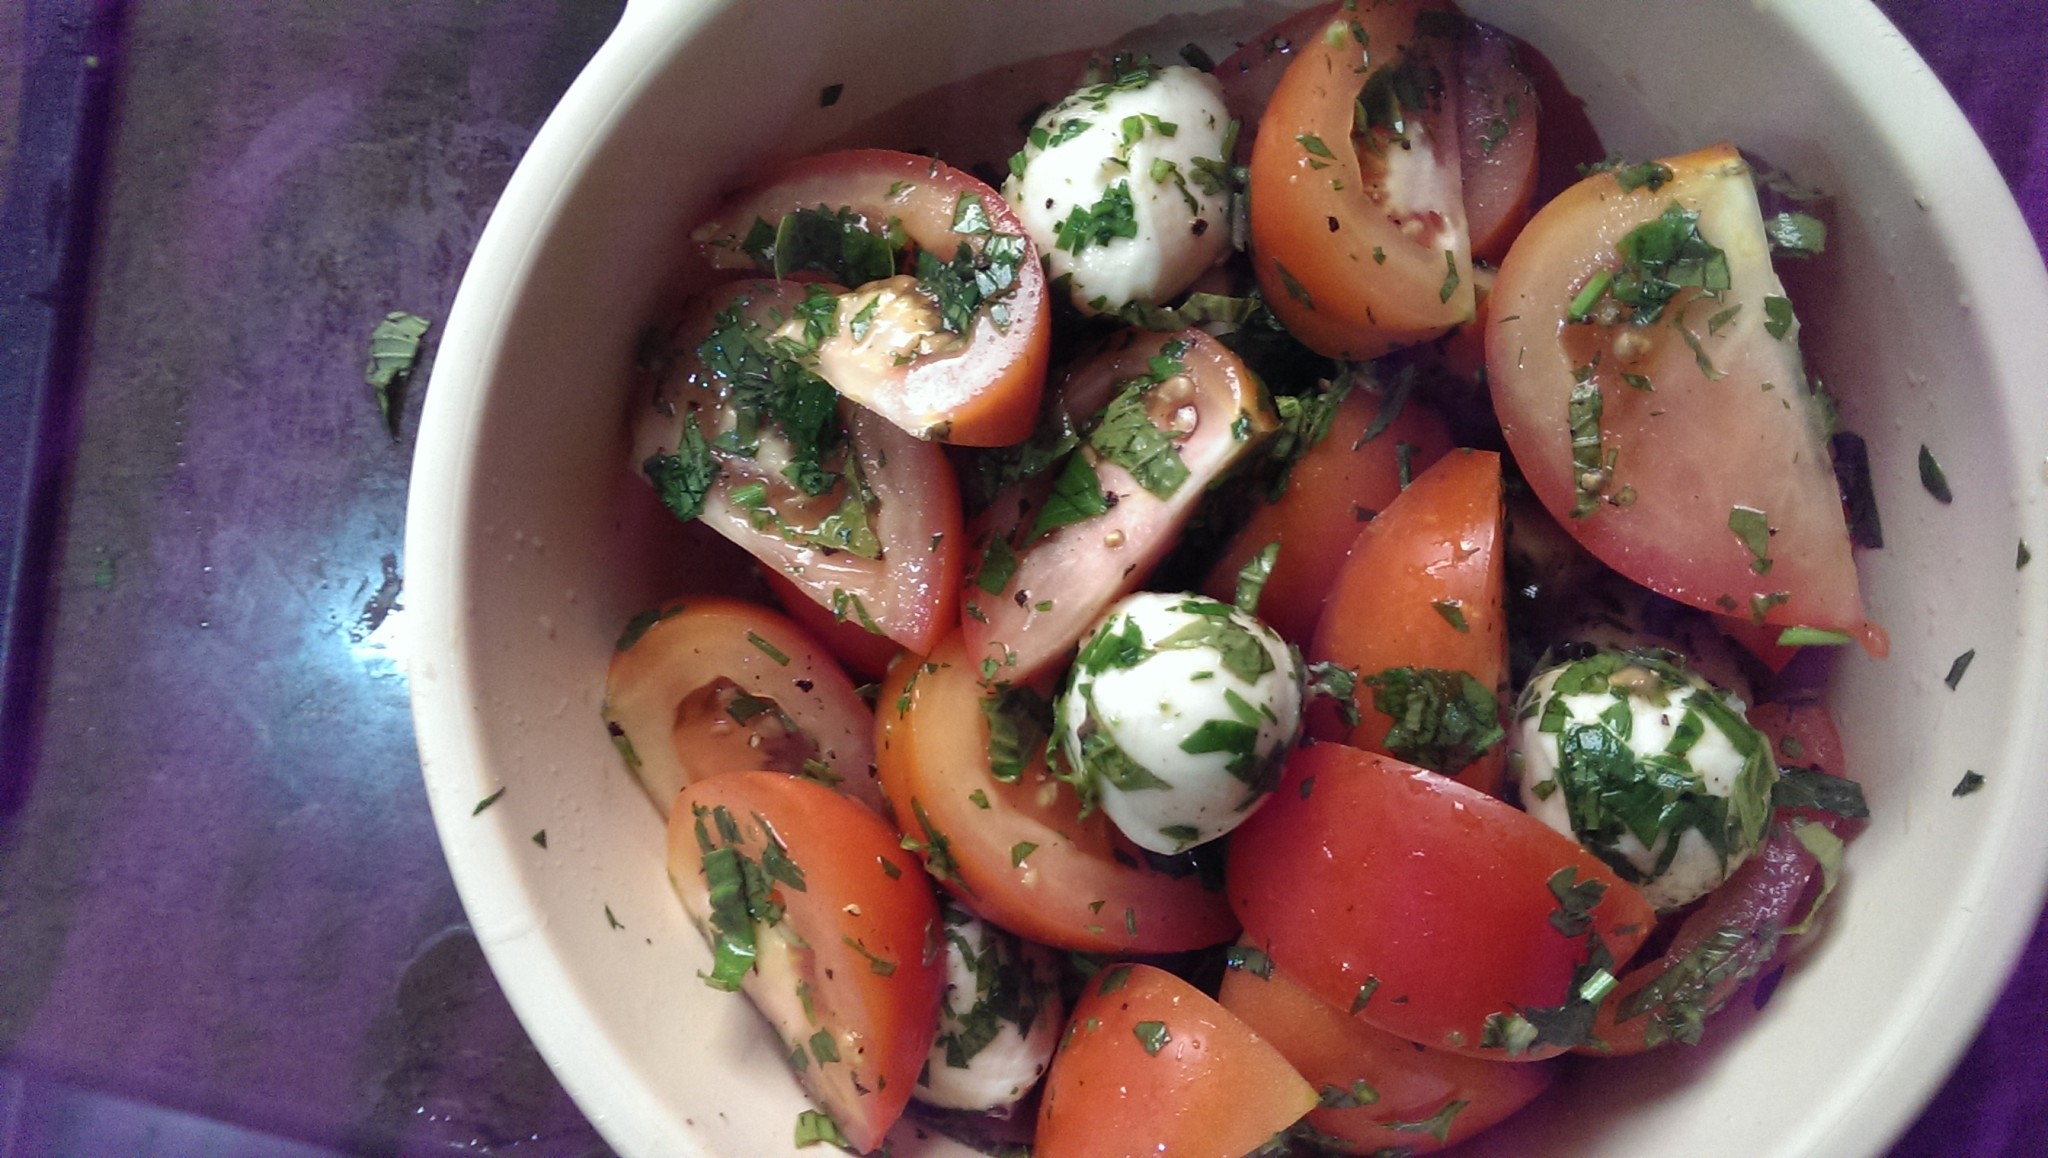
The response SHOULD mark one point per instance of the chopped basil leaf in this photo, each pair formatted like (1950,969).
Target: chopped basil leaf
(1660,258)
(1019,851)
(394,350)
(1247,959)
(1126,435)
(1859,496)
(1453,613)
(1450,286)
(1753,527)
(1442,720)
(1242,653)
(998,564)
(1591,475)
(1019,720)
(1811,637)
(1252,577)
(1339,1098)
(829,95)
(836,243)
(1076,495)
(815,1126)
(1114,215)
(1295,289)
(1810,788)
(1437,1125)
(486,802)
(1956,669)
(1970,782)
(768,649)
(1152,1035)
(1777,316)
(683,479)
(1649,175)
(1796,234)
(1933,479)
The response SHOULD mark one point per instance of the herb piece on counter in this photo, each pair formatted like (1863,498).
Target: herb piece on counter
(1970,782)
(486,802)
(829,95)
(2025,556)
(394,351)
(1859,497)
(1933,479)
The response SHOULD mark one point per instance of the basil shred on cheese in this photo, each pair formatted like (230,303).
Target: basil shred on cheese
(1653,769)
(1177,716)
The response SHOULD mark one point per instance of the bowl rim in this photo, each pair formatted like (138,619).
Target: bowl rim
(1976,221)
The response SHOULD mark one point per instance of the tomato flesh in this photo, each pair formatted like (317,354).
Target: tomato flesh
(1017,851)
(1422,590)
(1341,481)
(1153,1066)
(1424,907)
(1360,250)
(702,686)
(974,385)
(1702,474)
(843,942)
(1378,1092)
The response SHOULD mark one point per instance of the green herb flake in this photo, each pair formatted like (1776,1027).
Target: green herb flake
(970,216)
(486,802)
(815,1126)
(1450,286)
(1796,234)
(829,95)
(541,838)
(1126,435)
(1753,528)
(1019,851)
(1958,667)
(1252,578)
(1315,146)
(1152,1035)
(394,350)
(683,479)
(1437,1125)
(1970,782)
(998,564)
(1113,216)
(1933,478)
(611,919)
(1359,1094)
(1777,316)
(2024,557)
(1453,612)
(1812,637)
(1246,959)
(1808,788)
(1294,288)
(1650,175)
(768,649)
(1019,721)
(1076,495)
(1442,720)
(1363,997)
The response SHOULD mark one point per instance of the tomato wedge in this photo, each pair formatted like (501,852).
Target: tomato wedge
(1164,416)
(1010,844)
(1429,909)
(862,651)
(828,925)
(947,331)
(1416,611)
(1360,243)
(1378,1092)
(701,686)
(1344,479)
(1153,1066)
(863,517)
(1645,367)
(1498,114)
(1748,922)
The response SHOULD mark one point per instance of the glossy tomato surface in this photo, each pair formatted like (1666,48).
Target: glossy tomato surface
(1377,1092)
(1684,447)
(1360,244)
(1352,473)
(705,685)
(1040,583)
(1421,592)
(1151,1065)
(814,909)
(1426,908)
(884,553)
(935,353)
(1011,845)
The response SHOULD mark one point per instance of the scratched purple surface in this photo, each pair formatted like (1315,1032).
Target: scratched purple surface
(222,894)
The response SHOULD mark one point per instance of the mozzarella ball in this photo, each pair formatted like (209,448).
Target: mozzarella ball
(1178,713)
(1122,186)
(999,1021)
(1649,766)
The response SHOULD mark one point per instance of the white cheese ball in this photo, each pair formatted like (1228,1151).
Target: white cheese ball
(1178,712)
(1649,766)
(1121,186)
(999,1021)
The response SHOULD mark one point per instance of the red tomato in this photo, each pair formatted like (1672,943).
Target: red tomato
(702,686)
(1422,590)
(1153,1066)
(1036,591)
(862,651)
(1426,908)
(923,347)
(1343,479)
(1693,457)
(812,907)
(1378,1092)
(1016,851)
(1743,925)
(1250,74)
(1498,114)
(1360,245)
(885,554)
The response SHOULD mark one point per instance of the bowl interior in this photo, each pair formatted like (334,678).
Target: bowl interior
(530,543)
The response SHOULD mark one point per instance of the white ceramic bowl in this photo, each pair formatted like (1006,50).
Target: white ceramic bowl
(527,552)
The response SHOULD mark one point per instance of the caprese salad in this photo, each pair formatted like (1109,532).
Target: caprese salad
(1268,636)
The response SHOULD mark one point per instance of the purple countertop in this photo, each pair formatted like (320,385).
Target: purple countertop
(225,924)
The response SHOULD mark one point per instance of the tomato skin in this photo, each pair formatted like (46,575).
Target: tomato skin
(1153,1066)
(1340,481)
(1768,452)
(908,592)
(1434,560)
(1363,873)
(821,969)
(1065,578)
(1082,885)
(693,642)
(1410,1084)
(1498,115)
(1345,277)
(862,651)
(983,395)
